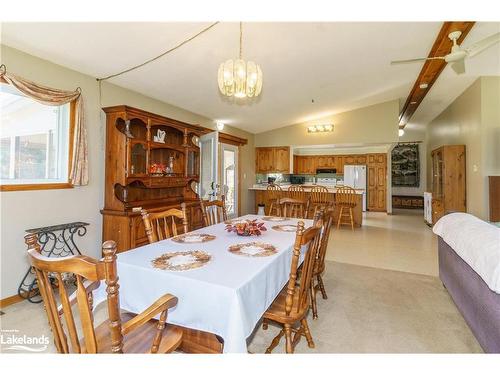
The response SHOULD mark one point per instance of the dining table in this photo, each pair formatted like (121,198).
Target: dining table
(227,295)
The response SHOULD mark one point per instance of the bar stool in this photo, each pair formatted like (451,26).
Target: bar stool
(273,194)
(345,200)
(319,198)
(293,208)
(298,192)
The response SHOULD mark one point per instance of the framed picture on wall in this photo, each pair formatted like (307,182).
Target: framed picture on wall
(406,165)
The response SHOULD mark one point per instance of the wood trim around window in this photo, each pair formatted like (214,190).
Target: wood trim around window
(52,185)
(49,186)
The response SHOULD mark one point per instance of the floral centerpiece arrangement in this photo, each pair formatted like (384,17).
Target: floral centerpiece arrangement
(247,228)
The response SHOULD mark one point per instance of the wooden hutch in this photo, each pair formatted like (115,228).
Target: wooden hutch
(131,151)
(448,180)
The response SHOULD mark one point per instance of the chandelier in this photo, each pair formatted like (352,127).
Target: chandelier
(239,78)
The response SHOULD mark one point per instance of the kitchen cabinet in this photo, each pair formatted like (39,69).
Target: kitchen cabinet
(307,164)
(272,160)
(350,160)
(304,164)
(361,159)
(326,161)
(282,159)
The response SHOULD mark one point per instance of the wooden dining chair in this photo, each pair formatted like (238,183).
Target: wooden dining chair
(291,306)
(162,225)
(273,194)
(213,212)
(290,207)
(319,197)
(122,332)
(345,200)
(319,265)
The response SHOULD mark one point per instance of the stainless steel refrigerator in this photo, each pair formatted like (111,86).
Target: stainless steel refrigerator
(355,177)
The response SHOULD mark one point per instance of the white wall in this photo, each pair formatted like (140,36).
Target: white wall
(375,124)
(21,210)
(473,120)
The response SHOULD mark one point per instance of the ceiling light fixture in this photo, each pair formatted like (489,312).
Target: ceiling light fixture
(401,132)
(220,125)
(320,128)
(239,78)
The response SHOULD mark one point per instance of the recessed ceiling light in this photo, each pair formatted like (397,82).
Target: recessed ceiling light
(423,86)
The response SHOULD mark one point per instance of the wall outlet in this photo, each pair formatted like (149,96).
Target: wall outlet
(475,168)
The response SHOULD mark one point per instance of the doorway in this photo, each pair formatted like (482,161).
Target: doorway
(229,178)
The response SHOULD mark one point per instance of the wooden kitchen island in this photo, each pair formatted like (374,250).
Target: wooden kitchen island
(260,198)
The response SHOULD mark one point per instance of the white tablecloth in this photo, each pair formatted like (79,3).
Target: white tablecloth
(227,296)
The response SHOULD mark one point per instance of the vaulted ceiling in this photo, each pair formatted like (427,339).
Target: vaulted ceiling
(339,65)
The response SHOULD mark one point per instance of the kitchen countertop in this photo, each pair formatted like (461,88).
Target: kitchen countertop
(307,187)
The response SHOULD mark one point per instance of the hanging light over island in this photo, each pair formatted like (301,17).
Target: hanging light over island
(239,78)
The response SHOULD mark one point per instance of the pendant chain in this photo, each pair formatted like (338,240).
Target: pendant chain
(241,40)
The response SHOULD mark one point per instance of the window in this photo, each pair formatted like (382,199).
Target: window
(35,142)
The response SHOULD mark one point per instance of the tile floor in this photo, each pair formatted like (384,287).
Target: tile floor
(400,242)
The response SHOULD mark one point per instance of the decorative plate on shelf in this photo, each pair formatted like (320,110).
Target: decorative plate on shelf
(274,218)
(285,228)
(181,260)
(253,249)
(193,238)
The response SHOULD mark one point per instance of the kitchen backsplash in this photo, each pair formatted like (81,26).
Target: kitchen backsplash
(261,178)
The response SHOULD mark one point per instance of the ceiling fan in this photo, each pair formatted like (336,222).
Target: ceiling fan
(458,54)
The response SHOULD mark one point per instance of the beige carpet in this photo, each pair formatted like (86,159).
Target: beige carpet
(369,310)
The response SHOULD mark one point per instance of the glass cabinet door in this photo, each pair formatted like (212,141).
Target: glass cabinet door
(437,174)
(193,165)
(138,159)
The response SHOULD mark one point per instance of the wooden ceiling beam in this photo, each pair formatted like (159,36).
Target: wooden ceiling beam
(432,68)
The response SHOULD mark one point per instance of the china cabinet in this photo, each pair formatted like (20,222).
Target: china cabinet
(448,180)
(152,162)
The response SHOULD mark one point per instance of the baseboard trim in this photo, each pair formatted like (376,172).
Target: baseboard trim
(10,301)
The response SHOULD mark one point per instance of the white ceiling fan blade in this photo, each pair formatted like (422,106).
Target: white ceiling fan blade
(483,44)
(458,67)
(415,60)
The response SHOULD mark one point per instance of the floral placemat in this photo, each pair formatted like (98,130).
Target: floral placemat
(181,260)
(253,249)
(285,228)
(193,238)
(274,218)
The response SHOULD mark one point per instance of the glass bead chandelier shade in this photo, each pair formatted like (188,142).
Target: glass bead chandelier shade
(239,78)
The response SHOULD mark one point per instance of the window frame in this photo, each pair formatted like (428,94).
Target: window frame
(50,185)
